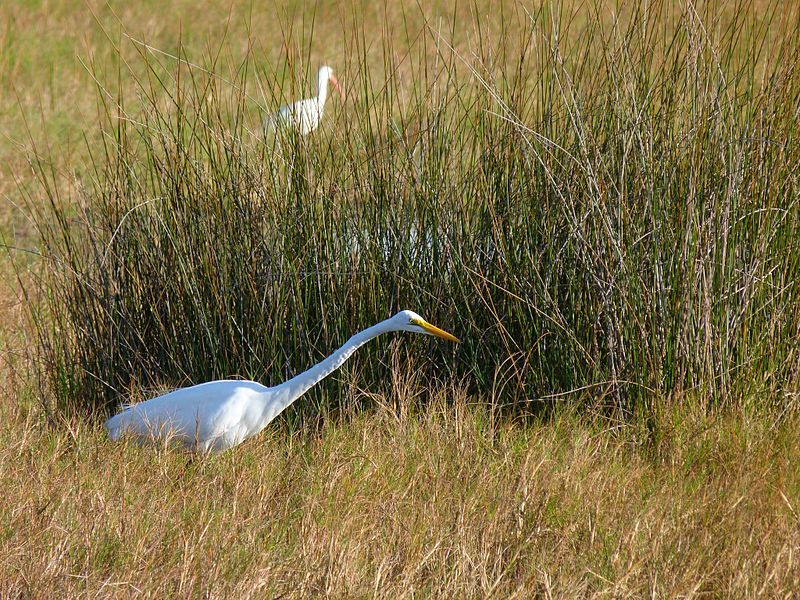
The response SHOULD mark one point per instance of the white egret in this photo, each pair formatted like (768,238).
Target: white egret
(304,116)
(215,416)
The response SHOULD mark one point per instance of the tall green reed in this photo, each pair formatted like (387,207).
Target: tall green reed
(600,207)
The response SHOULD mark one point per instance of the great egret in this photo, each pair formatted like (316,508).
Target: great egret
(215,416)
(304,116)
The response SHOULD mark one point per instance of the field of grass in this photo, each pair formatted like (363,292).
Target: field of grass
(410,501)
(601,199)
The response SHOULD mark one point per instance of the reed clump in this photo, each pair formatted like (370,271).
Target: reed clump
(593,206)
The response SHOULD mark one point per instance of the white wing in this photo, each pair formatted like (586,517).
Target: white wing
(303,115)
(214,415)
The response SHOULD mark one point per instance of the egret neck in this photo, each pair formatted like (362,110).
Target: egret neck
(300,384)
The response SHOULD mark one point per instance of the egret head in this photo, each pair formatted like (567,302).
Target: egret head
(408,320)
(326,74)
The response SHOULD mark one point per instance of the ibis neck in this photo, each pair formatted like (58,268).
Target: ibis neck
(322,91)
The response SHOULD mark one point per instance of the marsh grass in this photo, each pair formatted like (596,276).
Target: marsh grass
(596,206)
(433,498)
(601,203)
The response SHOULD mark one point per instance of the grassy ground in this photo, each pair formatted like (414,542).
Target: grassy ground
(394,495)
(406,502)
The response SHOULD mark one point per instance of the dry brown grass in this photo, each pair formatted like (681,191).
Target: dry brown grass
(400,502)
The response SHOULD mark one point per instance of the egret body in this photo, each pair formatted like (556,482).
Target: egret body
(215,416)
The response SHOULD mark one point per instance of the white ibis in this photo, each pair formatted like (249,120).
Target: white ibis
(304,116)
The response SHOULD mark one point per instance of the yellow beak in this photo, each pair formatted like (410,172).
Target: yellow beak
(432,329)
